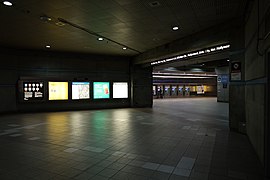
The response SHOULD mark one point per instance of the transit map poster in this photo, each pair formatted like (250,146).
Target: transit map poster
(80,90)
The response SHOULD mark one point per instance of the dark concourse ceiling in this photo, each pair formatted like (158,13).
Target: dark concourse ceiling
(139,25)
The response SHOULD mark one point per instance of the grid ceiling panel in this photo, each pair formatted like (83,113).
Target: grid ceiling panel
(130,22)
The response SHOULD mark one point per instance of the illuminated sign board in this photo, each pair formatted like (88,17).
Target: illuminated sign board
(120,90)
(58,90)
(101,90)
(192,54)
(154,90)
(200,89)
(80,90)
(33,90)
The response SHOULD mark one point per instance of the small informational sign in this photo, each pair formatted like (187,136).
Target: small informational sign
(236,71)
(33,91)
(219,79)
(224,78)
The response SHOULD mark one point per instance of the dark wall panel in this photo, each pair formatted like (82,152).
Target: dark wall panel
(50,66)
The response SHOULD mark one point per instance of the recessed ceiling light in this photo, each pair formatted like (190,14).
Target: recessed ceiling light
(228,60)
(100,39)
(48,46)
(175,28)
(154,4)
(45,18)
(59,24)
(7,3)
(124,48)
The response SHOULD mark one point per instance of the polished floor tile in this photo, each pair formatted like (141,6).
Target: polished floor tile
(184,138)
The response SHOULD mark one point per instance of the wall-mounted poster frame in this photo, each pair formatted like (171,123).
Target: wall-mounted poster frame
(31,90)
(101,90)
(120,90)
(58,90)
(80,90)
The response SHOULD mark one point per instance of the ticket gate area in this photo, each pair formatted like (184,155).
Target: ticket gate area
(174,91)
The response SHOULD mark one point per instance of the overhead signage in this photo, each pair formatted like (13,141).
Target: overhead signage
(192,54)
(33,91)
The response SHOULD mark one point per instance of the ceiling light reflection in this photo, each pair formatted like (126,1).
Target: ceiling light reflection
(100,39)
(175,28)
(7,3)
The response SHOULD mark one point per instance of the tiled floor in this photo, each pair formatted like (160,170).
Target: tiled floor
(177,139)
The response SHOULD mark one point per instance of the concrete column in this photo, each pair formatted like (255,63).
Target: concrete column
(141,86)
(257,47)
(237,87)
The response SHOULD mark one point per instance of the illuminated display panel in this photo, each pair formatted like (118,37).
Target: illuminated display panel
(80,90)
(101,90)
(120,90)
(33,90)
(191,54)
(154,90)
(200,90)
(58,90)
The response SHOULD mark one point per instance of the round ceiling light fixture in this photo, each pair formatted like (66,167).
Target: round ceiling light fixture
(45,18)
(124,48)
(175,28)
(100,39)
(7,3)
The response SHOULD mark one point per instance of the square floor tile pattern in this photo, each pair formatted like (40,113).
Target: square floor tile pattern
(184,138)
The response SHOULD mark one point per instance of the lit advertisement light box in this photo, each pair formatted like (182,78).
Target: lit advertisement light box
(120,90)
(58,90)
(33,90)
(200,89)
(101,90)
(80,90)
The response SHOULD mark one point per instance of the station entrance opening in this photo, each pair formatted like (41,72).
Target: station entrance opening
(207,79)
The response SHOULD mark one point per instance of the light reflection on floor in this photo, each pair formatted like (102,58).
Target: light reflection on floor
(176,139)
